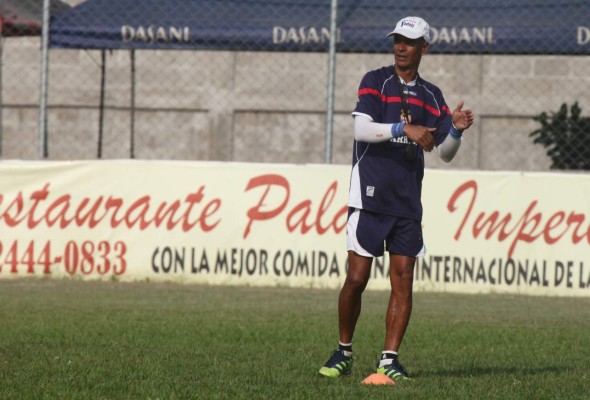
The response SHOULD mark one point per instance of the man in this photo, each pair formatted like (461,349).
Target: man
(398,116)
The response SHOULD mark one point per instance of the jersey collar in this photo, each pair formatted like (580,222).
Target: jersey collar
(412,83)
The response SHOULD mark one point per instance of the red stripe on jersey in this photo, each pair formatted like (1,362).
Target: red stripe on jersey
(432,110)
(369,91)
(397,99)
(428,108)
(446,109)
(391,99)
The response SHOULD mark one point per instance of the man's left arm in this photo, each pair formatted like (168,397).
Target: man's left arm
(460,120)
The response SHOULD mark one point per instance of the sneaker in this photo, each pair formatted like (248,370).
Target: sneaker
(337,365)
(395,371)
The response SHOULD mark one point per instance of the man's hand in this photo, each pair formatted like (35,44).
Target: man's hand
(421,135)
(462,119)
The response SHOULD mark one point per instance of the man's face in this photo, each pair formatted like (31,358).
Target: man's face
(408,52)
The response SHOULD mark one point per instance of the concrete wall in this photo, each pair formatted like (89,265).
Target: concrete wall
(266,107)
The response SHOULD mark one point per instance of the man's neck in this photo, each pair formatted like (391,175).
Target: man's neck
(407,74)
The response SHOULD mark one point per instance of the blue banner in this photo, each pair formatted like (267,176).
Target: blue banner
(457,27)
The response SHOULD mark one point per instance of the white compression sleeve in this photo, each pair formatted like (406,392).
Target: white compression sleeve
(368,131)
(448,148)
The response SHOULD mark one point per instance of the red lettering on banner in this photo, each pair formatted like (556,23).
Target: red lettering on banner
(578,219)
(305,207)
(64,211)
(37,196)
(141,206)
(452,207)
(492,222)
(191,199)
(255,213)
(81,219)
(214,206)
(114,203)
(522,223)
(300,217)
(530,227)
(13,220)
(61,205)
(554,222)
(165,211)
(324,205)
(196,198)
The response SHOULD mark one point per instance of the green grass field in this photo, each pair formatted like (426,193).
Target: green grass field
(98,340)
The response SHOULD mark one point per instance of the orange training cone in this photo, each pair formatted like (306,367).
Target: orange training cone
(378,379)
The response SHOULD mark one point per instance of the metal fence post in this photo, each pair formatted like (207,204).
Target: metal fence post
(43,153)
(331,80)
(132,117)
(1,89)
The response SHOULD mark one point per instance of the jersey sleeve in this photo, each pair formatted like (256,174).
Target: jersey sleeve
(444,120)
(369,98)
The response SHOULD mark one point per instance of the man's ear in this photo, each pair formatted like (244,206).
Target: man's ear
(425,48)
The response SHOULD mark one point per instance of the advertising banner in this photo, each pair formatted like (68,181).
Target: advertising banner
(458,26)
(284,225)
(506,232)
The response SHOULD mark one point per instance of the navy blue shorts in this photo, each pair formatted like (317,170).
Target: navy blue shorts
(369,234)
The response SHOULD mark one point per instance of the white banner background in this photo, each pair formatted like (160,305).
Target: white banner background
(284,225)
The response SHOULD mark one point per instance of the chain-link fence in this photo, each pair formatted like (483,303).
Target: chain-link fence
(248,103)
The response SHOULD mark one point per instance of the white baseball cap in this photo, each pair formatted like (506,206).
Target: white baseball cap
(413,28)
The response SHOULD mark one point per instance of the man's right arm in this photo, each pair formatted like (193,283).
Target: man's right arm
(365,130)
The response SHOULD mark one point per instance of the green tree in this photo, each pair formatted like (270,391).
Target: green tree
(566,137)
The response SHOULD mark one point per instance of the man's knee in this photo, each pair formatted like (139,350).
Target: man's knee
(359,271)
(356,282)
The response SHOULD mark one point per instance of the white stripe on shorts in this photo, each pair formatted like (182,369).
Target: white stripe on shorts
(352,242)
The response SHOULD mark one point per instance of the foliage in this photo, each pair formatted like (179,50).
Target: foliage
(566,137)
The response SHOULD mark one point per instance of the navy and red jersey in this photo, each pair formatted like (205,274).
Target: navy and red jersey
(383,180)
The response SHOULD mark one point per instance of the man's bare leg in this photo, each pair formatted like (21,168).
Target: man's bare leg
(401,277)
(349,301)
(349,309)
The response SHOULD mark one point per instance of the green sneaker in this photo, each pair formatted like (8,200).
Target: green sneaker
(337,365)
(395,371)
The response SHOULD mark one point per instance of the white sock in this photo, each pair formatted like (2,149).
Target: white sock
(387,357)
(347,353)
